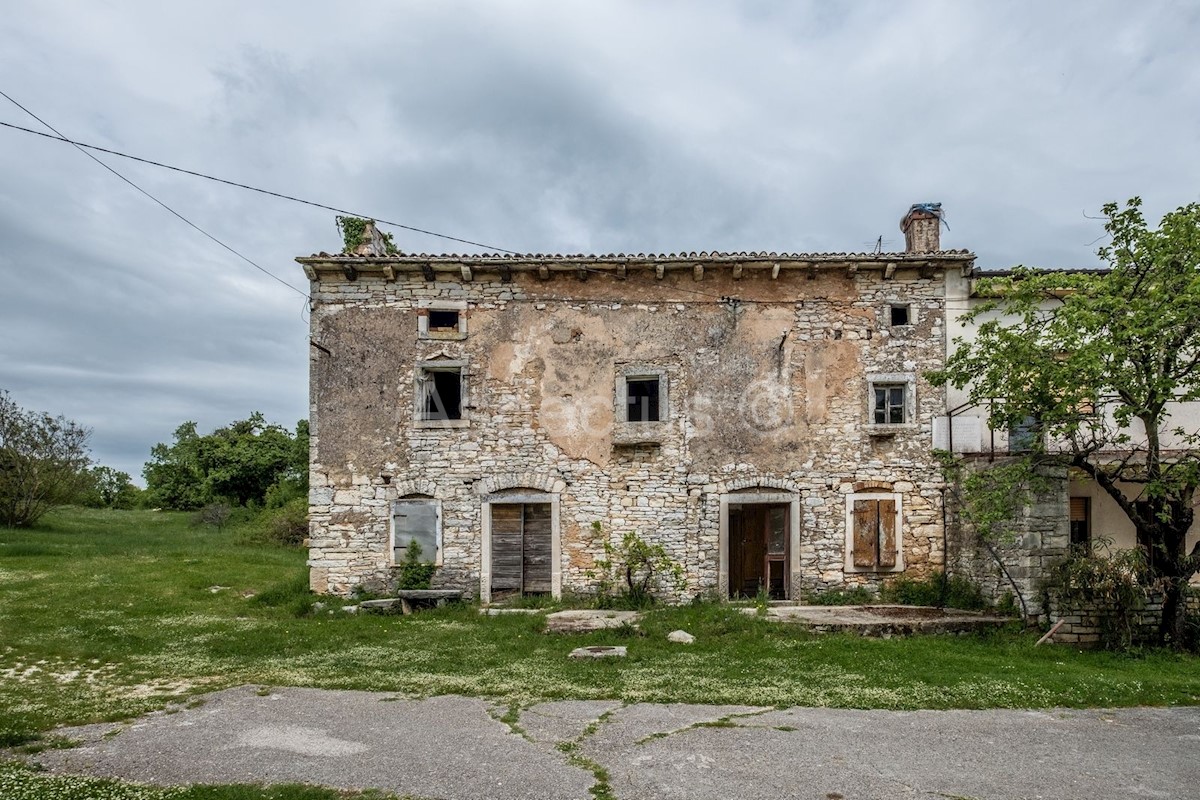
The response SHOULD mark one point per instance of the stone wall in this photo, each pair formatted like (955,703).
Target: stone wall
(767,376)
(1015,562)
(1095,626)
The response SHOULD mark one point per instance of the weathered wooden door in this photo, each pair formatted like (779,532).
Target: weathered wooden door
(758,550)
(521,552)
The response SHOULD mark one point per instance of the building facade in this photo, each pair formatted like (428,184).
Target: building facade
(764,417)
(1075,512)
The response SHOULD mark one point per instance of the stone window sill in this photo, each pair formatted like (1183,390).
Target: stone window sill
(633,433)
(433,424)
(890,430)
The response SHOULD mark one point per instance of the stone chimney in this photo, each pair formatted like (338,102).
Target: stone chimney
(373,242)
(922,227)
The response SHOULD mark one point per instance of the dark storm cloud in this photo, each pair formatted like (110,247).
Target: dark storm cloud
(533,126)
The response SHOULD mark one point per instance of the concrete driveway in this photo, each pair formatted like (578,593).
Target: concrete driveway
(456,747)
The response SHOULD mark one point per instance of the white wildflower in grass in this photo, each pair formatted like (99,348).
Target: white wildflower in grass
(18,782)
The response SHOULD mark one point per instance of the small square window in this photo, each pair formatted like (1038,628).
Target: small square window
(641,407)
(443,320)
(441,396)
(900,315)
(889,404)
(641,398)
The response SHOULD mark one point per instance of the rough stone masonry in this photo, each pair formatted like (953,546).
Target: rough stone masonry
(764,417)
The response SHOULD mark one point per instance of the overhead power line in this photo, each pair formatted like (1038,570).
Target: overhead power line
(84,147)
(181,217)
(280,195)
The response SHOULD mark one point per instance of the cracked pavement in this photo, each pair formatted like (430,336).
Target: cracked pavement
(457,747)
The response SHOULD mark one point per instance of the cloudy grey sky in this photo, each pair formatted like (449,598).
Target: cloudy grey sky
(548,126)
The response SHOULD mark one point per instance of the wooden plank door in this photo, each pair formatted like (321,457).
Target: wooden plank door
(747,550)
(521,548)
(535,551)
(507,546)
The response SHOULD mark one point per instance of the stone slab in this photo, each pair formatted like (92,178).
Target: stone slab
(600,651)
(882,620)
(441,747)
(500,612)
(827,753)
(585,620)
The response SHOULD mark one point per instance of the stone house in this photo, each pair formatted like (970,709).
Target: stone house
(1074,513)
(763,416)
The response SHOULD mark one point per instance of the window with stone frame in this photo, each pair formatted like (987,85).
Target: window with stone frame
(889,405)
(442,319)
(417,520)
(641,407)
(440,393)
(873,533)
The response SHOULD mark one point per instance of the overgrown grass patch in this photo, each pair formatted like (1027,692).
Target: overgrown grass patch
(22,782)
(108,614)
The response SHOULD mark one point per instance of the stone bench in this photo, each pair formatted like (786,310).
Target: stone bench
(410,599)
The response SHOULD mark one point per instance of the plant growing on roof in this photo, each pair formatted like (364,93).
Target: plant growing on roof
(354,234)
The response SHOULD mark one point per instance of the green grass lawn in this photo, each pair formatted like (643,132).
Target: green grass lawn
(107,614)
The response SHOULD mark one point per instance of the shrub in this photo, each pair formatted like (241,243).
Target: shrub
(937,590)
(287,525)
(632,570)
(840,597)
(286,491)
(215,514)
(414,573)
(1110,586)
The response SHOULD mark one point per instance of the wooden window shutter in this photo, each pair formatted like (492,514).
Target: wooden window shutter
(866,536)
(506,546)
(887,533)
(1079,509)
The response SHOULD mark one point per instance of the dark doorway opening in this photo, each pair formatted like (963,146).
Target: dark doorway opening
(759,550)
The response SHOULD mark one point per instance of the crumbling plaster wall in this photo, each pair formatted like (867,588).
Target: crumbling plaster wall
(766,390)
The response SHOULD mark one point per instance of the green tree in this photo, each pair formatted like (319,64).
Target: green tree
(1100,361)
(240,463)
(109,488)
(174,475)
(43,460)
